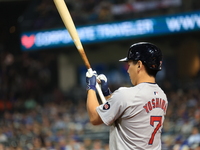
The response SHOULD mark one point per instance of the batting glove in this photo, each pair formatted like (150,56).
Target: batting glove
(91,80)
(104,85)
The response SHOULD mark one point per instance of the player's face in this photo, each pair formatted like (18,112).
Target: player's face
(132,71)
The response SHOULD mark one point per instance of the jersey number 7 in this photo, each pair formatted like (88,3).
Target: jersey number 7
(152,120)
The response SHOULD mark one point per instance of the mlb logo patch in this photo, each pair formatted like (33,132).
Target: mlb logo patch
(106,106)
(155,93)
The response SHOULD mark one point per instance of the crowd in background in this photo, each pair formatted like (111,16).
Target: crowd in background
(44,15)
(37,115)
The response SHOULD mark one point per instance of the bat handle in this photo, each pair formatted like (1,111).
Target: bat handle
(98,88)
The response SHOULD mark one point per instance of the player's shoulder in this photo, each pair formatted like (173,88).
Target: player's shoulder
(124,93)
(123,88)
(135,89)
(139,86)
(127,90)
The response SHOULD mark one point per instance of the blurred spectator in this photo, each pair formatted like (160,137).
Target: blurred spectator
(97,145)
(3,137)
(87,143)
(103,11)
(194,138)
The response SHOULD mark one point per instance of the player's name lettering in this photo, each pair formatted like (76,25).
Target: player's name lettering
(155,103)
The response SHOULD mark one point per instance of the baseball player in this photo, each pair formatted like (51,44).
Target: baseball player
(135,114)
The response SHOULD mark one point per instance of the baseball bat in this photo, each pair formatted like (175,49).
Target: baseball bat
(69,24)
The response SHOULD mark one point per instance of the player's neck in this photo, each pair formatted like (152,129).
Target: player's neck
(147,79)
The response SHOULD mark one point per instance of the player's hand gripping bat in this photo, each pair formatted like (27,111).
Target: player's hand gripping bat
(69,24)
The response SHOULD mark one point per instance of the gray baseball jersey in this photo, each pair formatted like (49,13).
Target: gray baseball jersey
(136,116)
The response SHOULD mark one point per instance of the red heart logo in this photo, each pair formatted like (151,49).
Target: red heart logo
(28,41)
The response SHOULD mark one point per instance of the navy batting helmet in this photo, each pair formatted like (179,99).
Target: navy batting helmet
(148,53)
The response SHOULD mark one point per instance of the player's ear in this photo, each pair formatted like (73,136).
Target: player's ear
(139,63)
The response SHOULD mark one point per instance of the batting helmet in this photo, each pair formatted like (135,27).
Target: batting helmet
(148,53)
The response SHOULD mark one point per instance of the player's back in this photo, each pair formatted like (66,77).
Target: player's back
(140,124)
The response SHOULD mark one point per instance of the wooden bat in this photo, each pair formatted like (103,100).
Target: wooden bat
(69,24)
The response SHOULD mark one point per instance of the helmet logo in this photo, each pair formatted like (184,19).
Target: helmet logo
(160,64)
